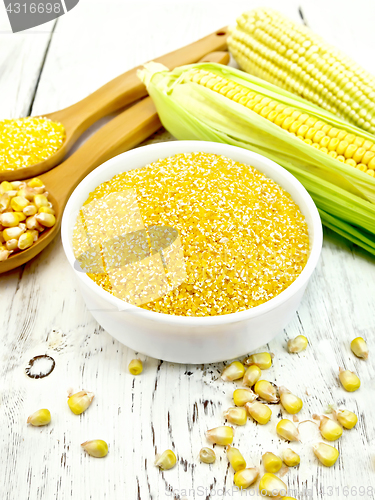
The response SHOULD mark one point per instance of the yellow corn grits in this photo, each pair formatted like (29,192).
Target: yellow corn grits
(244,238)
(27,141)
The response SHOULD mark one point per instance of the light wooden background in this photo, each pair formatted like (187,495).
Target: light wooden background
(170,405)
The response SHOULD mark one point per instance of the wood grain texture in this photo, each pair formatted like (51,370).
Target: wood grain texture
(169,405)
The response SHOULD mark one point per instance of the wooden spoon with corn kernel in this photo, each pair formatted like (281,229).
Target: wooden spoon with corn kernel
(116,94)
(124,132)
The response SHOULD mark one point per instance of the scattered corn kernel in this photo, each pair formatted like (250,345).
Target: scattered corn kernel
(80,401)
(96,448)
(235,458)
(207,455)
(245,477)
(359,348)
(292,404)
(297,344)
(166,460)
(234,371)
(262,359)
(252,375)
(260,412)
(236,415)
(272,486)
(326,454)
(346,418)
(222,435)
(349,380)
(329,429)
(27,141)
(40,418)
(291,458)
(243,396)
(287,430)
(271,462)
(265,390)
(135,367)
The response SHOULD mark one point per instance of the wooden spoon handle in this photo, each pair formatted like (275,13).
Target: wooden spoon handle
(127,88)
(127,130)
(124,132)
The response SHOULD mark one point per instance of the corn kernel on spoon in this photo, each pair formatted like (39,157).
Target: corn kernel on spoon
(124,132)
(114,95)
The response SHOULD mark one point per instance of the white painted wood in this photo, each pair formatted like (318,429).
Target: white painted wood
(21,61)
(41,311)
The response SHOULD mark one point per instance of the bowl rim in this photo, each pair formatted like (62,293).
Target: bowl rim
(163,150)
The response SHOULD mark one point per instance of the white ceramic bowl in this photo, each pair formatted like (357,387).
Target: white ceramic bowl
(183,339)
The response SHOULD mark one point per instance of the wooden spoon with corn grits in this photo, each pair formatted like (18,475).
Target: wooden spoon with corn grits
(124,132)
(114,95)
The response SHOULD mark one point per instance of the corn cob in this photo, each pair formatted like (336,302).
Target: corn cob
(335,142)
(273,47)
(211,102)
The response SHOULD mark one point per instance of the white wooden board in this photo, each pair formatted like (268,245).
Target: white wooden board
(169,405)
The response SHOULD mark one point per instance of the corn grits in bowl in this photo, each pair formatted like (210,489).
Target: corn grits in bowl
(223,244)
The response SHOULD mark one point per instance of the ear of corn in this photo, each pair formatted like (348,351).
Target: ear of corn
(327,155)
(268,45)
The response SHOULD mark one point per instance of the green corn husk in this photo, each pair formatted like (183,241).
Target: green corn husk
(344,195)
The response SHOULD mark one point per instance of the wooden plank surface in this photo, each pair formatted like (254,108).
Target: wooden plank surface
(169,405)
